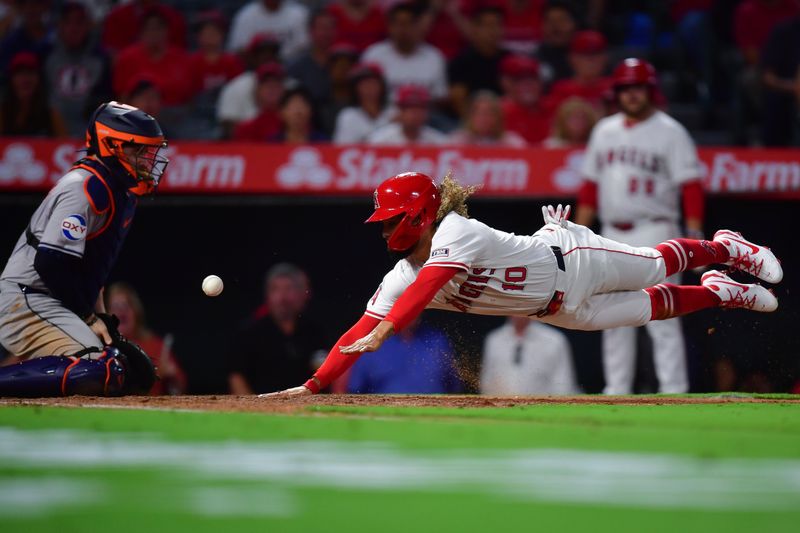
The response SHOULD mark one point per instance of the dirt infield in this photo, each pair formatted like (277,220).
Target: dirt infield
(297,404)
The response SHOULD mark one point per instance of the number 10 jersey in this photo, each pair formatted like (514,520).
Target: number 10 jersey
(502,273)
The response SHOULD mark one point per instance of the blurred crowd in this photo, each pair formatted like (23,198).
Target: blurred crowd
(489,72)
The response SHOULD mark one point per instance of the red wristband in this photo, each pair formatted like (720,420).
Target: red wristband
(312,385)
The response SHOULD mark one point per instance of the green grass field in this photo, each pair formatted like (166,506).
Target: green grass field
(551,467)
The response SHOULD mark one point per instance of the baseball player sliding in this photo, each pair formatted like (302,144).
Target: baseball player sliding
(638,165)
(52,316)
(564,274)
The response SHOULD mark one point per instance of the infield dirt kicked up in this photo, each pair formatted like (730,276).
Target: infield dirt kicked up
(252,404)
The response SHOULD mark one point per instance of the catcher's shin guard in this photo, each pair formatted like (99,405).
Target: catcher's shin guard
(57,375)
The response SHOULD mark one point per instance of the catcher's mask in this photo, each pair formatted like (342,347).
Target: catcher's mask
(412,194)
(128,140)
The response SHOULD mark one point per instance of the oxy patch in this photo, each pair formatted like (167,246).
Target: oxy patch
(74,228)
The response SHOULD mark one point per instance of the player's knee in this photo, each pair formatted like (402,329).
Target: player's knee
(58,375)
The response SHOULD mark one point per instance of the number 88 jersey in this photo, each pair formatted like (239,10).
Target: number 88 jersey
(502,273)
(639,168)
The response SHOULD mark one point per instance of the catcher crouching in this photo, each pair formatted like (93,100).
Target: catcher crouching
(51,308)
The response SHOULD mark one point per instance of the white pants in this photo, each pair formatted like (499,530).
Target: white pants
(604,279)
(619,344)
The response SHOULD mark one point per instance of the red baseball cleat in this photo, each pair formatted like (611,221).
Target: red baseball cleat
(751,258)
(735,295)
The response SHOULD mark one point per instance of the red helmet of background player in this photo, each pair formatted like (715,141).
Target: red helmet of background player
(412,194)
(633,71)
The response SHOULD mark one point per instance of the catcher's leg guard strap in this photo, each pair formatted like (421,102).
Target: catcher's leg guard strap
(56,375)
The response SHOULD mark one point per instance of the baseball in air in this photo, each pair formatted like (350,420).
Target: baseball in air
(212,285)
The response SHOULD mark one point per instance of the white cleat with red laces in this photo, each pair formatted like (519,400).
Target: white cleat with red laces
(748,257)
(735,295)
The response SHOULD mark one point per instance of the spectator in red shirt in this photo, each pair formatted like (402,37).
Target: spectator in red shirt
(524,110)
(124,302)
(523,29)
(269,92)
(124,24)
(754,20)
(446,25)
(360,21)
(589,60)
(155,56)
(212,67)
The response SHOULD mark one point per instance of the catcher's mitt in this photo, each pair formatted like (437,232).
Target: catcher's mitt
(141,372)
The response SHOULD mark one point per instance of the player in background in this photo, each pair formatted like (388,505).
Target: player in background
(564,274)
(51,307)
(638,166)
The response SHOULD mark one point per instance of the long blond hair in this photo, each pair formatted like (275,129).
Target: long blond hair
(567,108)
(454,197)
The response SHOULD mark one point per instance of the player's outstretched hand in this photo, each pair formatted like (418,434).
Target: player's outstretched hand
(372,341)
(556,215)
(302,390)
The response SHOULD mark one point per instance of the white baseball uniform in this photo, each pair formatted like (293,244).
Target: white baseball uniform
(639,170)
(519,275)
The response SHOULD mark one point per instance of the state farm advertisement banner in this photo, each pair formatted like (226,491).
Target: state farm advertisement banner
(248,168)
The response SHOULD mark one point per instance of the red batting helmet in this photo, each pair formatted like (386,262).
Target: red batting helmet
(633,71)
(412,194)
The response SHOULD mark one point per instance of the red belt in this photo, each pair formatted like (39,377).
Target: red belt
(628,226)
(554,305)
(558,296)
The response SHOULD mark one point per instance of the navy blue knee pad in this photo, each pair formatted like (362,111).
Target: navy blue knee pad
(57,375)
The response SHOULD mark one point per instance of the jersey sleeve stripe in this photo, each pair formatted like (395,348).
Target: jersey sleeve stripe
(60,249)
(446,264)
(374,315)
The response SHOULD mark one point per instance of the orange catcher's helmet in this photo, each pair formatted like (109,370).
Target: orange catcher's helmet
(128,141)
(413,195)
(634,71)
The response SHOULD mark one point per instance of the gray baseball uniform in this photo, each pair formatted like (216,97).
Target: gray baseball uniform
(80,224)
